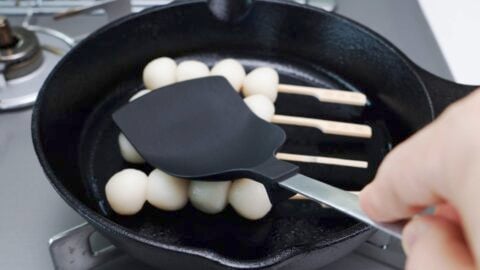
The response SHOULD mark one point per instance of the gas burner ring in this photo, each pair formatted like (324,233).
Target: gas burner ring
(20,51)
(26,44)
(24,64)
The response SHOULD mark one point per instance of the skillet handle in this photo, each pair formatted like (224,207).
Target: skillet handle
(229,10)
(443,92)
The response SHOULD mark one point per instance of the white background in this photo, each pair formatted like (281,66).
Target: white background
(456,26)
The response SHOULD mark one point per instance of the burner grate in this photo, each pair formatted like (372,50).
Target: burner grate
(74,249)
(25,63)
(17,7)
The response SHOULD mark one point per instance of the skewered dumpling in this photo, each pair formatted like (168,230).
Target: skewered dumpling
(159,72)
(191,69)
(129,153)
(209,197)
(232,70)
(261,106)
(166,192)
(249,199)
(263,81)
(126,191)
(139,94)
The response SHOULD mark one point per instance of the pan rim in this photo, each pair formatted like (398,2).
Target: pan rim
(108,225)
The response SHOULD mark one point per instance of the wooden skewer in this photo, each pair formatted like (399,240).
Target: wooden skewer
(326,126)
(301,197)
(326,95)
(323,160)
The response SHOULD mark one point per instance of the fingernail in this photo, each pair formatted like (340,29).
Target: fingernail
(414,229)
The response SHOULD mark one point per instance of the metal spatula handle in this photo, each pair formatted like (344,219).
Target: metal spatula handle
(339,199)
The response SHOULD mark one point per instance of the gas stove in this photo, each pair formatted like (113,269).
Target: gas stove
(24,64)
(33,37)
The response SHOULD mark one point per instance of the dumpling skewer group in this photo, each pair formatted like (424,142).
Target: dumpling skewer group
(168,72)
(128,190)
(265,109)
(265,81)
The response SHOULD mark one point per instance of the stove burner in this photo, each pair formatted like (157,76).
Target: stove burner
(20,51)
(25,63)
(7,39)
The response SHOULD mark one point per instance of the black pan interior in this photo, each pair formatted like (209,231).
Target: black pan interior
(100,159)
(77,140)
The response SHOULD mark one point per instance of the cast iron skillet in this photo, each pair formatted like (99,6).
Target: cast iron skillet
(76,140)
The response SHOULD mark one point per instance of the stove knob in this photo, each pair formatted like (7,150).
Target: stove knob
(7,39)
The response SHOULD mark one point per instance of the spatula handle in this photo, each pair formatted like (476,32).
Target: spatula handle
(273,170)
(269,173)
(339,199)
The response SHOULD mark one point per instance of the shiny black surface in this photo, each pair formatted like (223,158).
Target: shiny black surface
(76,145)
(201,129)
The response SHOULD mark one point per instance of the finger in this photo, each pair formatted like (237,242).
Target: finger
(436,243)
(447,211)
(405,182)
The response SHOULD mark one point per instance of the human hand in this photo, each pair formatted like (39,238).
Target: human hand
(438,166)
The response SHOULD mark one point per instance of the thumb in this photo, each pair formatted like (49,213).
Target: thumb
(433,242)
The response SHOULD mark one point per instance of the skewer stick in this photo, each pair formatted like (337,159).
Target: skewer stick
(326,126)
(323,160)
(325,95)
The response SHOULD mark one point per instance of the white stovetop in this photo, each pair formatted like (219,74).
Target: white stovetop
(456,26)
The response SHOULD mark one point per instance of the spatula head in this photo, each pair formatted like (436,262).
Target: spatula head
(202,129)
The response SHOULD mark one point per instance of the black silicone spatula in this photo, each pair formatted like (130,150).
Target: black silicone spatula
(202,129)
